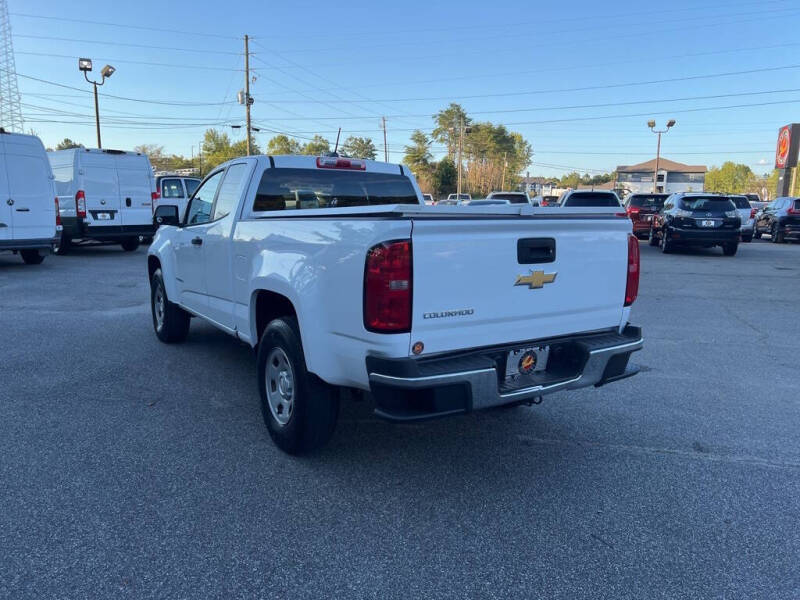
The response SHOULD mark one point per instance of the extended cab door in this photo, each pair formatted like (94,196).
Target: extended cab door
(190,275)
(217,244)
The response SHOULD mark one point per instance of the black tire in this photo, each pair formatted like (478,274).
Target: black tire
(730,248)
(312,407)
(63,245)
(173,325)
(130,244)
(777,236)
(747,239)
(652,240)
(31,257)
(665,242)
(756,233)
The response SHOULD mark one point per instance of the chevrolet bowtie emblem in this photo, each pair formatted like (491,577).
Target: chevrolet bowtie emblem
(536,279)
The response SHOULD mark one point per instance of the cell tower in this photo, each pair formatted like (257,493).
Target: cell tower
(10,111)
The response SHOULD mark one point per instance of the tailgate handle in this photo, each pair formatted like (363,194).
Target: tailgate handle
(531,251)
(127,201)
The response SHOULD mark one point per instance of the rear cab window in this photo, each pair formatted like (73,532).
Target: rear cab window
(740,201)
(292,189)
(512,198)
(591,199)
(171,188)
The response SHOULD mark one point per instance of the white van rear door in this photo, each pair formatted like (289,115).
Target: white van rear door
(6,212)
(31,189)
(136,187)
(99,184)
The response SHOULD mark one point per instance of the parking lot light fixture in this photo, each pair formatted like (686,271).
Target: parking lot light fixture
(652,125)
(85,66)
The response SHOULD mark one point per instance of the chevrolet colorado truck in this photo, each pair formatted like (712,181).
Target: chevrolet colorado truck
(341,278)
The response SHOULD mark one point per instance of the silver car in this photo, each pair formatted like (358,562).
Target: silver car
(746,214)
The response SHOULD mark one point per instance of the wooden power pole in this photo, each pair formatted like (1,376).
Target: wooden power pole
(247,100)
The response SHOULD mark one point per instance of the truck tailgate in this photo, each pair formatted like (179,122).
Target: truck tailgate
(486,281)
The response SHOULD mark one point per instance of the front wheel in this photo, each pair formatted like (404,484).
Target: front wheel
(299,409)
(170,321)
(31,257)
(130,244)
(730,248)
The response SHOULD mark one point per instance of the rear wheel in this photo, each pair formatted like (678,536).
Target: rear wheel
(777,236)
(730,248)
(31,257)
(666,243)
(130,244)
(299,409)
(756,233)
(63,244)
(652,240)
(170,321)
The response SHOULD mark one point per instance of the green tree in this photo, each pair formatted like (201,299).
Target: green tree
(217,148)
(359,147)
(282,144)
(67,144)
(570,180)
(444,178)
(418,154)
(317,146)
(730,178)
(448,123)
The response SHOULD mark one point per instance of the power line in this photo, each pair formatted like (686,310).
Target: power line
(125,26)
(138,62)
(451,98)
(127,45)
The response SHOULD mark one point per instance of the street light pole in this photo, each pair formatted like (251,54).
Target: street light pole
(85,65)
(652,125)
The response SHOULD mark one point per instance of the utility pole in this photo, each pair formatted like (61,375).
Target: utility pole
(505,164)
(460,150)
(385,147)
(652,126)
(247,100)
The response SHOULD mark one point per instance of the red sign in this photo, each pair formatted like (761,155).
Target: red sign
(784,145)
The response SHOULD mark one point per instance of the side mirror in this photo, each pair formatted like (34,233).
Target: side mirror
(166,215)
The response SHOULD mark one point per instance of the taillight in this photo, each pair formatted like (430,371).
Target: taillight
(58,214)
(154,196)
(332,162)
(752,213)
(80,204)
(388,287)
(633,210)
(632,284)
(793,211)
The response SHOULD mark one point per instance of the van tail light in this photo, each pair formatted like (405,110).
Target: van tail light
(80,204)
(632,284)
(388,287)
(154,196)
(58,214)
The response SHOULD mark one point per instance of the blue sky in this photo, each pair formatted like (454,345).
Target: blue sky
(322,65)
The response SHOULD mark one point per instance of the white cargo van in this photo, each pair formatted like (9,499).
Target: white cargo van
(104,195)
(28,205)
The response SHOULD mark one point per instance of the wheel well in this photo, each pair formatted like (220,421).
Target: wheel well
(269,306)
(152,264)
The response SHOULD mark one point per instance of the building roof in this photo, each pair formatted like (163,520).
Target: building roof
(608,186)
(664,164)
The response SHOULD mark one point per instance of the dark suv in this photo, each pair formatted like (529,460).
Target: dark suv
(697,219)
(641,208)
(780,219)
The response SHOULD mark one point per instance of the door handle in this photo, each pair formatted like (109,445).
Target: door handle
(198,241)
(23,210)
(127,201)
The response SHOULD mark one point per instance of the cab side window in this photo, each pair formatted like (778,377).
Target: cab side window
(199,209)
(171,188)
(231,190)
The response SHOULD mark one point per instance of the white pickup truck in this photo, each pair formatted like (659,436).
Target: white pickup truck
(343,279)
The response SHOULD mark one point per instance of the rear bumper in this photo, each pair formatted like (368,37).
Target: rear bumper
(702,236)
(791,231)
(77,228)
(641,227)
(414,389)
(35,244)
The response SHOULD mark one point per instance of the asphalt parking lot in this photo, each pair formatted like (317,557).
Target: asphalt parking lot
(133,469)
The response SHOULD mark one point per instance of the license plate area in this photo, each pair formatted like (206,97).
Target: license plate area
(103,216)
(524,362)
(708,223)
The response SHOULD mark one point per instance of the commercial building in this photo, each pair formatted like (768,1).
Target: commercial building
(672,177)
